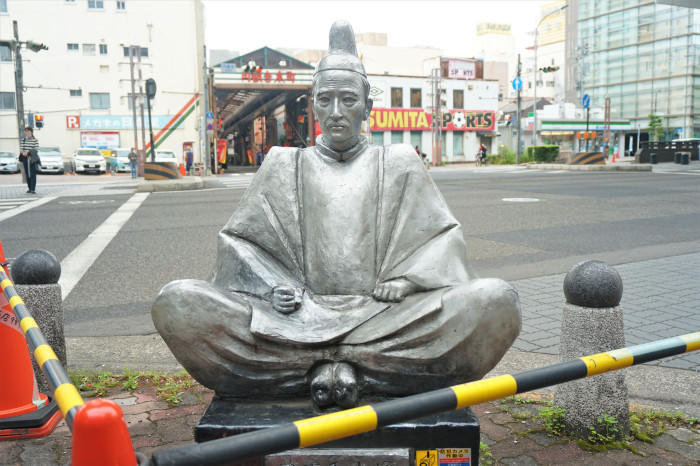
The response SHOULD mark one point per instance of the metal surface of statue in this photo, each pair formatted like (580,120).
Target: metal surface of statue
(342,272)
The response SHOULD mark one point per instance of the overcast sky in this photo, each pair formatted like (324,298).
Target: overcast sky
(244,26)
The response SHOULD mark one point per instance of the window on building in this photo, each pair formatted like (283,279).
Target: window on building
(378,137)
(457,143)
(5,53)
(144,51)
(96,4)
(397,137)
(99,100)
(7,100)
(416,101)
(416,139)
(72,47)
(103,49)
(3,6)
(76,92)
(458,98)
(89,49)
(397,97)
(121,4)
(550,83)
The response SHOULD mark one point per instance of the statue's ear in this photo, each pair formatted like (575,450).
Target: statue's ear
(368,107)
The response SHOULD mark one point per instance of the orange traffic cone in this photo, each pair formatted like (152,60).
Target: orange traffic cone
(182,169)
(100,435)
(24,412)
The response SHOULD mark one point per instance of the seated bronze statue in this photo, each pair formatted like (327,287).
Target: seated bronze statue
(342,272)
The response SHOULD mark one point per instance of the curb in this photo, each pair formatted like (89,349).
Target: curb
(182,184)
(631,167)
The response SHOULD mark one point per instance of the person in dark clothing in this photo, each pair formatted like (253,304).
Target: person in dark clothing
(29,157)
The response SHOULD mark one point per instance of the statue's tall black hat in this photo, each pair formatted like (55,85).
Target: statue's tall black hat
(342,52)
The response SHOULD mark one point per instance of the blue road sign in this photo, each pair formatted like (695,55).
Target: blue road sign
(210,115)
(586,101)
(517,83)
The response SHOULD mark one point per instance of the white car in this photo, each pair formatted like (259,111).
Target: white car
(122,155)
(51,160)
(166,156)
(88,160)
(8,163)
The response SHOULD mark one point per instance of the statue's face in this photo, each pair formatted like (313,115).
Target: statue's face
(340,106)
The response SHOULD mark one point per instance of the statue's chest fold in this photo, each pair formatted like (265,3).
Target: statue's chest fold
(339,223)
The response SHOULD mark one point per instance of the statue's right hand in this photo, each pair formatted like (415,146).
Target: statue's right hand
(284,299)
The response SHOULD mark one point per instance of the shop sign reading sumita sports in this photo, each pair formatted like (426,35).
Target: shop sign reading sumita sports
(417,119)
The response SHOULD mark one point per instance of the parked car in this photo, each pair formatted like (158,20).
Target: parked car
(166,156)
(122,156)
(51,160)
(8,163)
(88,160)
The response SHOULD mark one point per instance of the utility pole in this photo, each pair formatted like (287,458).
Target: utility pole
(19,84)
(133,97)
(436,126)
(204,137)
(519,118)
(534,104)
(143,124)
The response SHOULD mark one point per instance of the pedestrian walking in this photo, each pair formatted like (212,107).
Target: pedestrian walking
(132,162)
(29,156)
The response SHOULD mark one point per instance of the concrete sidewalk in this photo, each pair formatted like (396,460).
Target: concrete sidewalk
(512,432)
(661,299)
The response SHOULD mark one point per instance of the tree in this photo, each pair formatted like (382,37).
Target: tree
(656,127)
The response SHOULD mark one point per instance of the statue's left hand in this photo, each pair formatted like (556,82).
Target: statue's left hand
(394,290)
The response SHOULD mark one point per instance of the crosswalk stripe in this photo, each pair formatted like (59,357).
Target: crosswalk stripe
(23,207)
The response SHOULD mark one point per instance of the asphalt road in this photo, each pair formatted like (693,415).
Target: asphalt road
(571,216)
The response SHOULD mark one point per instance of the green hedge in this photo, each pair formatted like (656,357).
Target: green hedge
(547,153)
(506,156)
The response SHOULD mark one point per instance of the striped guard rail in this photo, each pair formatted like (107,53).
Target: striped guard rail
(66,395)
(587,158)
(329,427)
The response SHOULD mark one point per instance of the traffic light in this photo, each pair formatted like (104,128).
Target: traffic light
(38,121)
(549,69)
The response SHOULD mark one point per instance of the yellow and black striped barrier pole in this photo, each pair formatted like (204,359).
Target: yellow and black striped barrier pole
(64,392)
(329,427)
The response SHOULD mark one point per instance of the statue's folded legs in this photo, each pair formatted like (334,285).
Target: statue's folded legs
(208,331)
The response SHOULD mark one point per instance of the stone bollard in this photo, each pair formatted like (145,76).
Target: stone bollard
(35,274)
(592,323)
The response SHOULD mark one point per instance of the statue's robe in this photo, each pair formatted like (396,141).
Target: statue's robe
(336,225)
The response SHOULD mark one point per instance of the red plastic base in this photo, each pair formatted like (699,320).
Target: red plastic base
(39,423)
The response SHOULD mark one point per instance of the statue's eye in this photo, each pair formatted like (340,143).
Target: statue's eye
(349,101)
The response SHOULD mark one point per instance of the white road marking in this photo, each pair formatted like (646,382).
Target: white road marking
(23,208)
(520,199)
(75,264)
(677,173)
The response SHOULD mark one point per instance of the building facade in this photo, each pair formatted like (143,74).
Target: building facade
(644,56)
(402,113)
(82,85)
(548,73)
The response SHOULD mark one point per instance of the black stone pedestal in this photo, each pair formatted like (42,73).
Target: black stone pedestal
(431,439)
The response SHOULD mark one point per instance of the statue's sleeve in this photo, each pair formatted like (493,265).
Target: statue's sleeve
(258,248)
(421,239)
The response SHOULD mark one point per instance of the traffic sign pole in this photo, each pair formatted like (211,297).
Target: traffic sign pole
(586,102)
(518,84)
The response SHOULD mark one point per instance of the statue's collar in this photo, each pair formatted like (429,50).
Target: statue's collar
(341,156)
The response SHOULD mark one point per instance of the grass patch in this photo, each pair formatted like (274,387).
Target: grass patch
(170,387)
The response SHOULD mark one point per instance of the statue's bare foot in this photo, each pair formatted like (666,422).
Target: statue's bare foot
(322,385)
(346,390)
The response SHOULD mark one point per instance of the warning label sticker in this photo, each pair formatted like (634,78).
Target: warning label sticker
(444,456)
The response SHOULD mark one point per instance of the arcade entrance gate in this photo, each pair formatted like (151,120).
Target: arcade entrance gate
(262,99)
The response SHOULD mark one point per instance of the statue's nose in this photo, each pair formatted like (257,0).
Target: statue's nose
(335,110)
